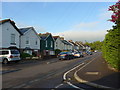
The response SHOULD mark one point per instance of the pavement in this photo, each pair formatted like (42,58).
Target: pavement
(98,74)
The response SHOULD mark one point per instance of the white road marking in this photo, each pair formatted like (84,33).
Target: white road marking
(59,85)
(65,74)
(85,65)
(92,73)
(74,86)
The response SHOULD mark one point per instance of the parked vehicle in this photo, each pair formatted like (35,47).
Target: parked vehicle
(78,54)
(89,53)
(65,55)
(8,55)
(96,51)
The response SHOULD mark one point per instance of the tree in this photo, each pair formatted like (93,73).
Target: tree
(116,12)
(111,45)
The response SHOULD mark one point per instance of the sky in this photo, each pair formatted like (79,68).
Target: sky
(77,21)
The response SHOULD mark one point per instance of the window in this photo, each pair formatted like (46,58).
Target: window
(12,38)
(15,52)
(56,44)
(51,44)
(0,52)
(5,52)
(46,43)
(36,42)
(27,40)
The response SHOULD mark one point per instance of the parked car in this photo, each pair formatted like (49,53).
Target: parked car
(89,53)
(96,51)
(78,55)
(8,55)
(65,55)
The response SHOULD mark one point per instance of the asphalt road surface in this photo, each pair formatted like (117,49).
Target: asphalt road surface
(51,74)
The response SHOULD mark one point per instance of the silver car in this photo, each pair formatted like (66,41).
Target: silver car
(8,55)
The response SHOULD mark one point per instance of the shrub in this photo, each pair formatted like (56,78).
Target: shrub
(57,51)
(111,47)
(24,55)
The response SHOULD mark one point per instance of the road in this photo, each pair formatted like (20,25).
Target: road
(52,74)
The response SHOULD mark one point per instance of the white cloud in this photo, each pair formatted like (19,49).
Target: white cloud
(86,26)
(91,31)
(82,35)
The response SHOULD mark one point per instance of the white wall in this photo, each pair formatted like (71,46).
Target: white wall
(60,45)
(7,30)
(32,39)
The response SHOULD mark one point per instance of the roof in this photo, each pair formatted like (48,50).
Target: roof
(55,37)
(3,21)
(12,22)
(23,30)
(44,36)
(73,43)
(66,42)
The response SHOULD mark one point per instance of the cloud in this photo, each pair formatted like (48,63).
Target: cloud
(86,26)
(90,31)
(82,35)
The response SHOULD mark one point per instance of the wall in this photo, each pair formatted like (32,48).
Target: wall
(7,30)
(32,39)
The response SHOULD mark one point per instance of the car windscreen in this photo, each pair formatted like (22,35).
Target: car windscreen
(63,52)
(15,52)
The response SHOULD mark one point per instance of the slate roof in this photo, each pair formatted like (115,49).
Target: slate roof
(44,36)
(66,42)
(74,44)
(12,22)
(55,37)
(23,30)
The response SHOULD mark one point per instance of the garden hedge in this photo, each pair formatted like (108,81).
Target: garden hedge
(111,48)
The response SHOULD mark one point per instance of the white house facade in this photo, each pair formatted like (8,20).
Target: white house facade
(58,43)
(10,35)
(30,41)
(67,45)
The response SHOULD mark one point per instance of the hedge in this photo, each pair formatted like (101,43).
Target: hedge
(24,55)
(111,48)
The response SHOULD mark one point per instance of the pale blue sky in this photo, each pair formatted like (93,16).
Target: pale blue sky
(62,18)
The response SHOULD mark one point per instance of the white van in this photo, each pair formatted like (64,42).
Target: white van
(7,55)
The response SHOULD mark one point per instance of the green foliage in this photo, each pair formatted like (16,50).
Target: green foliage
(97,45)
(24,55)
(57,51)
(111,48)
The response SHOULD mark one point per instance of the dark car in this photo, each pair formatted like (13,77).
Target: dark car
(89,53)
(78,54)
(65,55)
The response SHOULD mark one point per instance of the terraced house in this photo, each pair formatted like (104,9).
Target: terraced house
(10,35)
(58,43)
(30,41)
(47,44)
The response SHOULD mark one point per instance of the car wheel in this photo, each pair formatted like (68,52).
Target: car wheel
(5,61)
